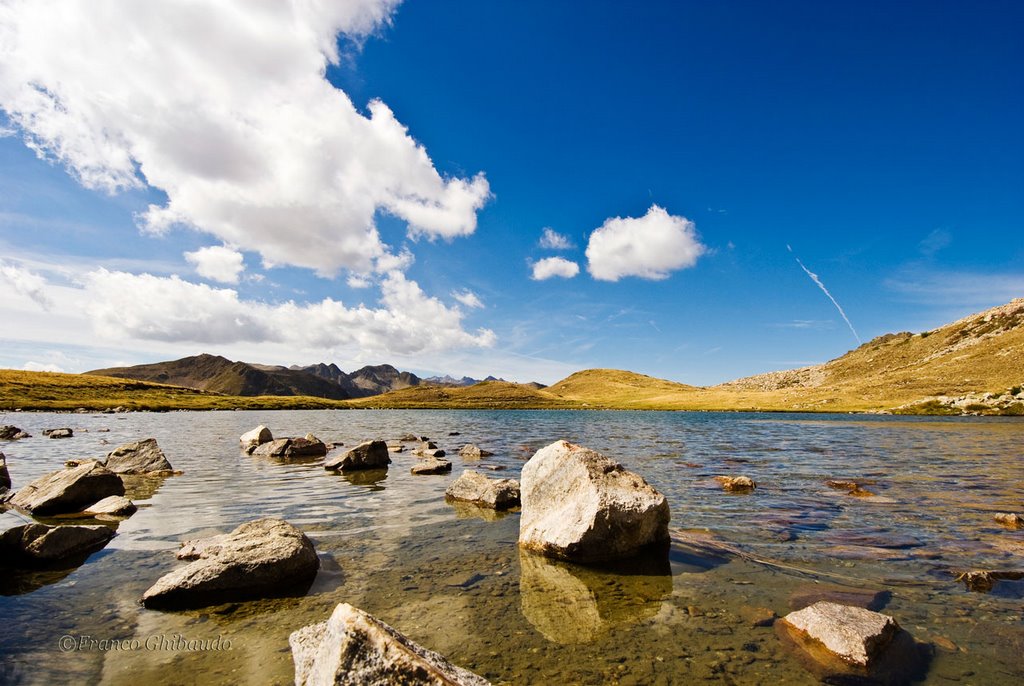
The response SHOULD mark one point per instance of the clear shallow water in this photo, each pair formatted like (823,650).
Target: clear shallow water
(453,579)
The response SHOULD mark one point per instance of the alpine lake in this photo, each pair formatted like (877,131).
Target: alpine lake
(452,578)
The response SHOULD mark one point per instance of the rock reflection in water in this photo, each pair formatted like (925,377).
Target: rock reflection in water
(367,477)
(570,604)
(464,510)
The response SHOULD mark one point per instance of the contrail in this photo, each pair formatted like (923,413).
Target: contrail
(814,277)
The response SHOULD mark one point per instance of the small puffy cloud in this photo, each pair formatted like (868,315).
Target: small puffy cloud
(170,309)
(218,263)
(25,282)
(225,107)
(468,298)
(554,266)
(552,240)
(358,281)
(40,367)
(650,247)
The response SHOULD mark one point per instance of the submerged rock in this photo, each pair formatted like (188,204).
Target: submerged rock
(473,452)
(1010,520)
(9,432)
(580,505)
(736,484)
(432,466)
(251,440)
(853,634)
(262,558)
(409,438)
(474,487)
(984,580)
(69,490)
(41,545)
(139,457)
(366,455)
(353,648)
(851,487)
(58,433)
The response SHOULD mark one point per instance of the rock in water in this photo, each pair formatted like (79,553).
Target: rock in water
(473,452)
(9,432)
(251,440)
(273,448)
(432,466)
(309,446)
(139,457)
(366,455)
(69,490)
(58,433)
(353,648)
(261,558)
(1011,520)
(855,635)
(115,506)
(474,487)
(37,544)
(736,484)
(580,505)
(5,476)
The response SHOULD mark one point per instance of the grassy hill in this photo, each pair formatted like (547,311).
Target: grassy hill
(51,391)
(975,365)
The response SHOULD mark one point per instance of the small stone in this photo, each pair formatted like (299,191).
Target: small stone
(9,432)
(736,484)
(115,505)
(473,452)
(473,487)
(1010,520)
(432,466)
(58,433)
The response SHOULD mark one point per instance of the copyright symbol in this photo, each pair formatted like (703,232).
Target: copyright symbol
(67,643)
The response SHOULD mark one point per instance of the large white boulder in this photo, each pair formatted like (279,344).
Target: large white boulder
(580,505)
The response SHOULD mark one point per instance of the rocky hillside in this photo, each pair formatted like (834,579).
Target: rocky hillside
(221,375)
(979,354)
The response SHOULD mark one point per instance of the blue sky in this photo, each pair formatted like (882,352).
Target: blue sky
(880,141)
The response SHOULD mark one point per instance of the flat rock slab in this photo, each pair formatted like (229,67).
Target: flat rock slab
(580,505)
(474,487)
(40,545)
(139,457)
(262,558)
(115,506)
(432,466)
(69,490)
(853,634)
(366,455)
(353,648)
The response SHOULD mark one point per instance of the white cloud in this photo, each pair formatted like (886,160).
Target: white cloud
(650,247)
(224,106)
(554,266)
(217,262)
(25,282)
(359,281)
(169,309)
(552,240)
(40,367)
(468,298)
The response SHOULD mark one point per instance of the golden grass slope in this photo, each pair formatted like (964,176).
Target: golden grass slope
(486,395)
(52,391)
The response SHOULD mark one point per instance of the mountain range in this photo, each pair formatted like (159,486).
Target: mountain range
(218,374)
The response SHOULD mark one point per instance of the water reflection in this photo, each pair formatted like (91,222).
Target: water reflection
(374,478)
(569,603)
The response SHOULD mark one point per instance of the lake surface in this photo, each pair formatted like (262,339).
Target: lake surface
(453,579)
